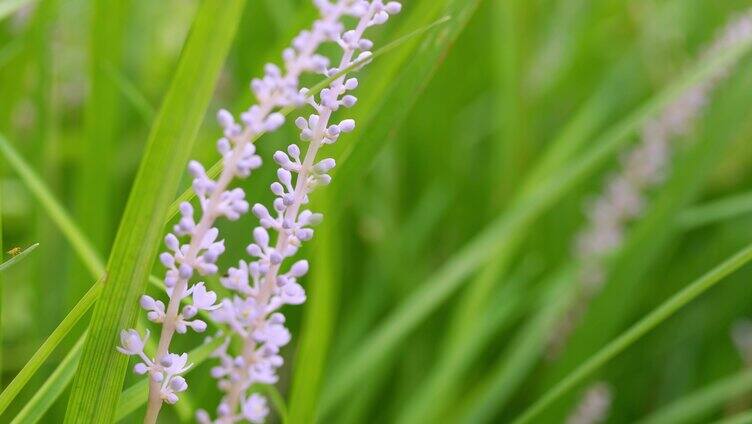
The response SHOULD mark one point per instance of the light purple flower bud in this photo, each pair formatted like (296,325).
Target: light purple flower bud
(285,177)
(299,269)
(185,271)
(380,18)
(281,158)
(140,368)
(306,135)
(171,398)
(165,361)
(324,166)
(363,57)
(349,101)
(131,342)
(393,7)
(147,302)
(365,44)
(178,384)
(198,326)
(274,121)
(301,123)
(189,311)
(223,410)
(347,125)
(294,151)
(171,241)
(167,259)
(254,250)
(277,189)
(225,118)
(196,169)
(351,84)
(261,236)
(332,131)
(223,146)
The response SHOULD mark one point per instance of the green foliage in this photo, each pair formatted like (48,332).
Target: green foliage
(97,385)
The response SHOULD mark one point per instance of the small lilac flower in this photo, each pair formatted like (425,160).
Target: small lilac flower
(204,299)
(131,342)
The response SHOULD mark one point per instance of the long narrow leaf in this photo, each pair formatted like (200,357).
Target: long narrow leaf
(18,257)
(98,382)
(634,333)
(53,208)
(53,387)
(317,327)
(36,361)
(719,210)
(703,401)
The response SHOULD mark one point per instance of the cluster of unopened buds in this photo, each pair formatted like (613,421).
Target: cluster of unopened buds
(260,286)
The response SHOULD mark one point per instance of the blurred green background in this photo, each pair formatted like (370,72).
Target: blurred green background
(442,159)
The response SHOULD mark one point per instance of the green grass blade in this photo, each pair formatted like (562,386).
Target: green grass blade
(499,384)
(503,234)
(101,121)
(318,321)
(53,387)
(18,257)
(719,210)
(36,361)
(136,395)
(53,208)
(703,401)
(740,418)
(98,382)
(445,379)
(278,402)
(634,333)
(129,90)
(92,188)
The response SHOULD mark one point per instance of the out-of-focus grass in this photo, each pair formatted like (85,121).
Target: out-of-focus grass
(524,97)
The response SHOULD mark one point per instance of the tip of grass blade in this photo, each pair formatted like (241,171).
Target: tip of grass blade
(17,256)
